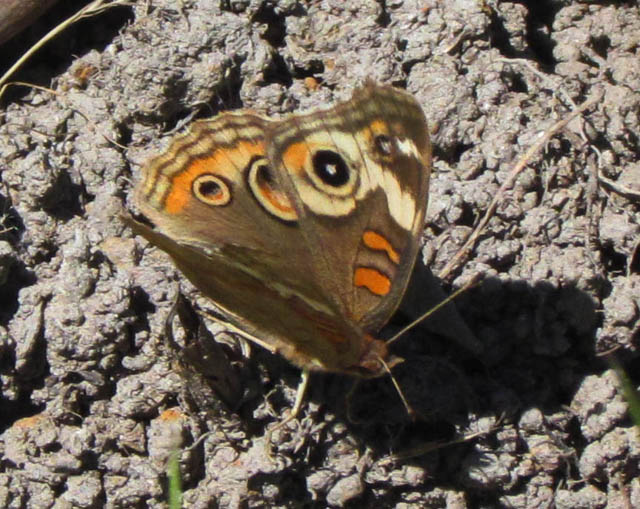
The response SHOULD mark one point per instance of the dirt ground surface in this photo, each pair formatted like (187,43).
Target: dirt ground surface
(94,398)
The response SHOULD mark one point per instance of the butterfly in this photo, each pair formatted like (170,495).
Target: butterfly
(302,230)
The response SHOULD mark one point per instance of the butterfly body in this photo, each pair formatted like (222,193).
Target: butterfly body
(302,230)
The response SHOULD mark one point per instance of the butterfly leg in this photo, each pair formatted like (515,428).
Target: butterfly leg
(300,393)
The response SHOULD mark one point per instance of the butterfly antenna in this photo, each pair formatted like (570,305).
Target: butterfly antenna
(470,284)
(406,404)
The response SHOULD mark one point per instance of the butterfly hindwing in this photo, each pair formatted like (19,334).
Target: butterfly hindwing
(358,175)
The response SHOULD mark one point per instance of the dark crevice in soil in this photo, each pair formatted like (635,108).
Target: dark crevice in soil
(313,69)
(539,26)
(276,28)
(125,133)
(439,154)
(601,45)
(11,224)
(499,37)
(468,217)
(613,261)
(141,303)
(141,306)
(19,277)
(539,21)
(278,72)
(13,411)
(633,142)
(458,151)
(632,367)
(408,65)
(227,96)
(64,199)
(401,83)
(383,18)
(419,432)
(517,84)
(47,251)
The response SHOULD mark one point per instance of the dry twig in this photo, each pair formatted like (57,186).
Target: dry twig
(466,249)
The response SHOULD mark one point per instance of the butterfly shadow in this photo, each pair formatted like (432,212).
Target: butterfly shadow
(438,353)
(477,366)
(470,370)
(489,355)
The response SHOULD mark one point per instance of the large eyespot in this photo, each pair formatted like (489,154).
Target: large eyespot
(331,168)
(384,145)
(266,192)
(211,190)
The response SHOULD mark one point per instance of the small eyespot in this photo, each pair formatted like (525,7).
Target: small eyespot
(211,190)
(384,145)
(264,173)
(331,168)
(264,188)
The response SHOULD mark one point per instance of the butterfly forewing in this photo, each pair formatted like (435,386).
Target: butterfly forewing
(359,177)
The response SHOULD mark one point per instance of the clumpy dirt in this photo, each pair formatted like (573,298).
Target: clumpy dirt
(94,396)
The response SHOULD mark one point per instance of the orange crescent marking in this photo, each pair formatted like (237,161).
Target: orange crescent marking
(373,280)
(218,163)
(277,198)
(377,242)
(295,156)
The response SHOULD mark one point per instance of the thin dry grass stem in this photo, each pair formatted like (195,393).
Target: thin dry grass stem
(625,191)
(608,352)
(433,446)
(28,85)
(468,246)
(93,9)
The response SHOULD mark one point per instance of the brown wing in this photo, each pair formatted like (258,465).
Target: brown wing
(358,175)
(233,232)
